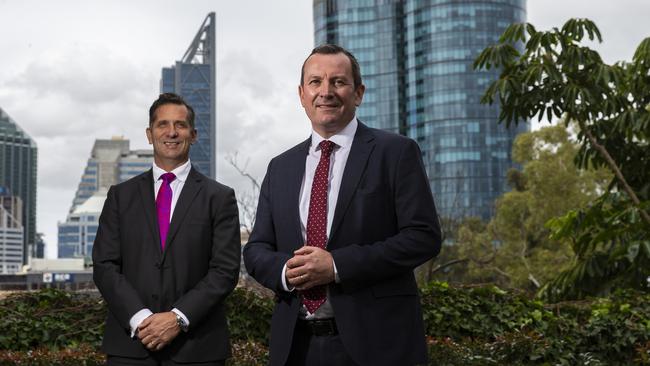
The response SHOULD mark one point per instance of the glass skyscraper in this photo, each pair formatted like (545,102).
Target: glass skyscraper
(18,154)
(194,79)
(416,60)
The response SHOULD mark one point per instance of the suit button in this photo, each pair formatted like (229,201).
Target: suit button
(155,297)
(157,265)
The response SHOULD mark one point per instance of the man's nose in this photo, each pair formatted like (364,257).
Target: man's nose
(172,131)
(326,89)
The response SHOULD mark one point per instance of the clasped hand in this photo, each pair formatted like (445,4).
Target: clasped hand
(309,267)
(158,330)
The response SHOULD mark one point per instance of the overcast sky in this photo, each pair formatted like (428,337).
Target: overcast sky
(72,71)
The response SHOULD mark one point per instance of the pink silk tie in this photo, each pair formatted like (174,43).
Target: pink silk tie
(164,206)
(317,221)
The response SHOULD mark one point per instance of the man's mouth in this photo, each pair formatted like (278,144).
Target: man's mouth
(171,143)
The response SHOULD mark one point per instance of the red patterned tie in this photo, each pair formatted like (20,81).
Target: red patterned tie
(317,221)
(164,206)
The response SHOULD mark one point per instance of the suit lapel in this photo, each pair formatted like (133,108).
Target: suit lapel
(190,189)
(149,206)
(294,180)
(362,146)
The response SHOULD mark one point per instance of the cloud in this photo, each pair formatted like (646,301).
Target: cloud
(78,91)
(258,115)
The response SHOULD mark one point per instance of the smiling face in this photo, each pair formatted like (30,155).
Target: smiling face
(328,93)
(171,135)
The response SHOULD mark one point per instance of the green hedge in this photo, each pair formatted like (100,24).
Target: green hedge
(480,325)
(488,326)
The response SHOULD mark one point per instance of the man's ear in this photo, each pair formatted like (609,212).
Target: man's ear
(149,137)
(300,94)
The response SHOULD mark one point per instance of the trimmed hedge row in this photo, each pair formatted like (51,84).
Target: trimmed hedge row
(478,325)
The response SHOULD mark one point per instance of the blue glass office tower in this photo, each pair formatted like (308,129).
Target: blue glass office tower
(416,60)
(194,79)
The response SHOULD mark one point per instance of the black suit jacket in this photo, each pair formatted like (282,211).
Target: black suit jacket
(195,273)
(384,225)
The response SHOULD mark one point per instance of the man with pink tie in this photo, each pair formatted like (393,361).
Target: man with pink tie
(167,253)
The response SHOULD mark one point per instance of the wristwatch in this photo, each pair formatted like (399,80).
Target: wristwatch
(181,322)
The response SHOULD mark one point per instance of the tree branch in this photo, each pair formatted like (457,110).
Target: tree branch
(617,172)
(448,264)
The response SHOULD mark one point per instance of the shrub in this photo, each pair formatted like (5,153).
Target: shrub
(476,325)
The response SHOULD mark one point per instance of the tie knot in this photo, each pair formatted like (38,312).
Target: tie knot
(168,177)
(326,147)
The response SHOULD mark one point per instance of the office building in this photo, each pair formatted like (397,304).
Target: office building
(77,233)
(416,60)
(18,153)
(12,236)
(111,162)
(193,77)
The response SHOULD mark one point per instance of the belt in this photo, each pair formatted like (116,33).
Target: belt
(319,327)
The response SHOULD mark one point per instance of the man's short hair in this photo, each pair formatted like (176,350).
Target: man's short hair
(170,98)
(332,49)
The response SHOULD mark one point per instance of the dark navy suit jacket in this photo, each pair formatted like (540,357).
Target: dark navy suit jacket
(385,224)
(195,273)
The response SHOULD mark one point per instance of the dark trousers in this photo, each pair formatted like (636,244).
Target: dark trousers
(313,350)
(155,360)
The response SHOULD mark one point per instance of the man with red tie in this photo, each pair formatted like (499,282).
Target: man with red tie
(167,253)
(343,219)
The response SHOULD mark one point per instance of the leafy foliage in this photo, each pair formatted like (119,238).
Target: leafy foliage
(54,327)
(249,316)
(514,248)
(487,326)
(557,76)
(477,325)
(50,317)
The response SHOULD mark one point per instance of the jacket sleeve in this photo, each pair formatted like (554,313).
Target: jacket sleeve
(262,259)
(122,299)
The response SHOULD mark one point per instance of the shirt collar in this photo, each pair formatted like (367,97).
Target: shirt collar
(343,139)
(181,172)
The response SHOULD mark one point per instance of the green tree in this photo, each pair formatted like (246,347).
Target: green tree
(557,76)
(514,248)
(549,185)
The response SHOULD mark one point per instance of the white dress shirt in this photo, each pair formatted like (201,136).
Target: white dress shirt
(338,159)
(176,185)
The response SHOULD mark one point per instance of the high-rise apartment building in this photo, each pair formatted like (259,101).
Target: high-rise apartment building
(12,236)
(18,154)
(416,60)
(111,162)
(193,77)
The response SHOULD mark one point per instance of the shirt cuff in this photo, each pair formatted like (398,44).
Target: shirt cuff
(180,313)
(136,319)
(285,286)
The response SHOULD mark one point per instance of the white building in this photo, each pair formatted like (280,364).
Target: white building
(77,233)
(12,235)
